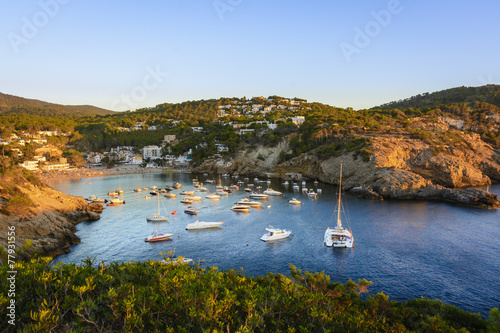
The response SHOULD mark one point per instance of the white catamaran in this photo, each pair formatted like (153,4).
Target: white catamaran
(339,236)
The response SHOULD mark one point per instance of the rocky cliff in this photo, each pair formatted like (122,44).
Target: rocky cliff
(41,214)
(398,167)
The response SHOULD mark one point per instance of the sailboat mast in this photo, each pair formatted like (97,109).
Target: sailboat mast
(340,195)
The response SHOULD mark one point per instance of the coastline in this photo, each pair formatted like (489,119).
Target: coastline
(98,172)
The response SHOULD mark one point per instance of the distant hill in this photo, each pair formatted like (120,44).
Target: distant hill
(15,104)
(489,94)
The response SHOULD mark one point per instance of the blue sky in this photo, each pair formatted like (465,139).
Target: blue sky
(123,55)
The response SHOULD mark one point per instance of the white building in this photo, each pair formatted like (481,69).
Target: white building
(246,130)
(152,152)
(197,129)
(30,165)
(221,147)
(298,120)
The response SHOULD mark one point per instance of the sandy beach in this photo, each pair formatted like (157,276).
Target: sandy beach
(98,172)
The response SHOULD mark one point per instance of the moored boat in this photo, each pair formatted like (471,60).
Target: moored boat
(203,225)
(270,191)
(339,236)
(190,211)
(261,196)
(275,234)
(294,201)
(213,196)
(240,208)
(157,236)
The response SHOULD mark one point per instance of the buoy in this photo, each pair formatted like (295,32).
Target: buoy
(247,244)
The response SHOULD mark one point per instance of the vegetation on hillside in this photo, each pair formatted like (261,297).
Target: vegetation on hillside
(156,297)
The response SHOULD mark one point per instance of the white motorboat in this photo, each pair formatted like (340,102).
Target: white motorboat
(339,236)
(221,192)
(186,201)
(202,189)
(154,188)
(138,190)
(116,201)
(171,195)
(203,225)
(295,187)
(157,217)
(157,236)
(247,189)
(186,193)
(193,198)
(95,199)
(113,194)
(261,196)
(213,196)
(240,208)
(270,191)
(294,201)
(275,234)
(246,202)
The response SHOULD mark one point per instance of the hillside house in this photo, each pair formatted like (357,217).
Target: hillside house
(152,152)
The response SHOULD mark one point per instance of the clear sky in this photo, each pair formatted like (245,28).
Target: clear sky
(123,55)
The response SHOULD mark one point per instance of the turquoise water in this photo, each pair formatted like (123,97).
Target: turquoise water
(407,249)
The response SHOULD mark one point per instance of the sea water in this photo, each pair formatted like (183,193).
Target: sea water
(407,249)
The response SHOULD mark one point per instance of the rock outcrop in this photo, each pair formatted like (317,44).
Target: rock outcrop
(45,216)
(398,168)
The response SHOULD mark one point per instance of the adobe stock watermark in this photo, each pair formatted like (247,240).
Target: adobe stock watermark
(139,93)
(224,6)
(364,36)
(31,27)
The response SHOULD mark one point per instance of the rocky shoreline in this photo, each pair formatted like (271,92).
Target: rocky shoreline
(47,217)
(397,168)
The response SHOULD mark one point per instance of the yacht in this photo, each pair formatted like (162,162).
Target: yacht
(270,191)
(339,236)
(275,234)
(203,225)
(261,196)
(246,202)
(157,236)
(240,208)
(213,196)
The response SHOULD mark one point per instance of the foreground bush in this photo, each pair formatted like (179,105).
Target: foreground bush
(153,296)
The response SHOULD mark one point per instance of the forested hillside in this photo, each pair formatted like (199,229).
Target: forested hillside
(488,93)
(14,104)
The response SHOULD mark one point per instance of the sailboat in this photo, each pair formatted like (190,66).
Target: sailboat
(156,217)
(339,236)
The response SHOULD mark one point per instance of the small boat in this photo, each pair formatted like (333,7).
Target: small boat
(154,188)
(303,183)
(177,185)
(157,236)
(339,236)
(117,201)
(138,190)
(177,261)
(221,192)
(119,191)
(209,181)
(202,189)
(285,183)
(113,194)
(171,195)
(169,188)
(190,211)
(260,196)
(316,182)
(157,217)
(275,234)
(312,194)
(153,192)
(146,197)
(95,199)
(234,187)
(186,193)
(144,188)
(203,225)
(295,187)
(246,202)
(270,191)
(319,191)
(294,201)
(213,196)
(193,198)
(249,190)
(240,208)
(187,201)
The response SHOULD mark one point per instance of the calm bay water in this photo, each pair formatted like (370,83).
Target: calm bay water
(407,249)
